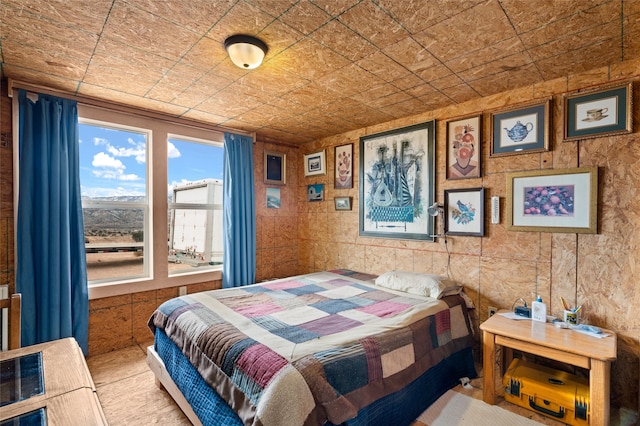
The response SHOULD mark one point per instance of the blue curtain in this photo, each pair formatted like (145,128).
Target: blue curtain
(239,212)
(51,263)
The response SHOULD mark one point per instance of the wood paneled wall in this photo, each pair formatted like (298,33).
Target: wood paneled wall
(599,271)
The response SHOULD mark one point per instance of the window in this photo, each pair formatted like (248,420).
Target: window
(113,181)
(152,202)
(195,205)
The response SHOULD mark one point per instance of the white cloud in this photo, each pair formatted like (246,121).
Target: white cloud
(103,160)
(111,168)
(100,141)
(131,176)
(172,151)
(137,150)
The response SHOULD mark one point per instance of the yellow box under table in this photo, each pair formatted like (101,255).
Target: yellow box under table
(557,394)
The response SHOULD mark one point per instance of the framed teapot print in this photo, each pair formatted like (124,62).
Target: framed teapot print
(521,130)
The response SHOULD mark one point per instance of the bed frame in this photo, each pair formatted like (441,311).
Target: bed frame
(164,381)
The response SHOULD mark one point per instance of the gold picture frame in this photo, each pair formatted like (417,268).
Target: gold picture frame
(563,200)
(598,113)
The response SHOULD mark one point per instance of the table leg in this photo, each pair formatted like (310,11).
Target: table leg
(599,392)
(505,361)
(489,367)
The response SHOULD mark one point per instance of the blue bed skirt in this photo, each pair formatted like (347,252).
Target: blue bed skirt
(399,408)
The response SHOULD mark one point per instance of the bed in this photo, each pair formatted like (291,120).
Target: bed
(327,348)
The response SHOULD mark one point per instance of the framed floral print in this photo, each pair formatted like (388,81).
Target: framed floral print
(344,167)
(464,142)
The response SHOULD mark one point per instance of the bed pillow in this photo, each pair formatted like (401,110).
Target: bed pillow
(436,286)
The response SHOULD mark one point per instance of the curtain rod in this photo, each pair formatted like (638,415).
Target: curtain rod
(17,84)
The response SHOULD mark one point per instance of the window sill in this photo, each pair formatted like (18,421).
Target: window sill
(99,291)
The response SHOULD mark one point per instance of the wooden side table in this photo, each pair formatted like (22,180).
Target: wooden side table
(564,345)
(66,392)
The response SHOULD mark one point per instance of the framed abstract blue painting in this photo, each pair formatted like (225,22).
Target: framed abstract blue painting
(397,181)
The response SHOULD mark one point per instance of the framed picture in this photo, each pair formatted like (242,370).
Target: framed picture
(344,167)
(275,168)
(315,192)
(314,164)
(553,200)
(464,211)
(464,140)
(597,113)
(397,180)
(342,203)
(273,198)
(522,130)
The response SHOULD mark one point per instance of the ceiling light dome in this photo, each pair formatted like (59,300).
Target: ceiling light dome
(245,51)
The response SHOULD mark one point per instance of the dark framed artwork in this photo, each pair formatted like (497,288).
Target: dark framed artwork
(563,200)
(521,130)
(464,211)
(315,164)
(344,166)
(599,112)
(464,142)
(397,180)
(275,168)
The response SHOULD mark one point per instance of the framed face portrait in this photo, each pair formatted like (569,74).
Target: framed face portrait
(344,167)
(464,140)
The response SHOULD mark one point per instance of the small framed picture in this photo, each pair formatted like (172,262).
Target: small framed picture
(521,130)
(273,198)
(315,192)
(315,164)
(464,211)
(553,200)
(344,167)
(275,168)
(597,113)
(342,203)
(464,140)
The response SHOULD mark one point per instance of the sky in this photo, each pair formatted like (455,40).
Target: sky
(112,162)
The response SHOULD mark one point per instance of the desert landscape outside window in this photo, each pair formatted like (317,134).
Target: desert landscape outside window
(114,186)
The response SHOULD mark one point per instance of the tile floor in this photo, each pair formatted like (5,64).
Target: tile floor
(129,396)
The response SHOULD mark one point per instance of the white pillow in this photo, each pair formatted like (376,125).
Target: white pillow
(430,285)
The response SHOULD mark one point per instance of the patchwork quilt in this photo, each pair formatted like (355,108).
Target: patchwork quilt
(313,348)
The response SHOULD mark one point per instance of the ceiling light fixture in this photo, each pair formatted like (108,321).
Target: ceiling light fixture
(245,51)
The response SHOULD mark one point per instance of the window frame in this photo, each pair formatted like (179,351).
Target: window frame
(187,206)
(157,178)
(147,272)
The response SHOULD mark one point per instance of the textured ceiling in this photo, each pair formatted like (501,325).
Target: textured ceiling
(332,65)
